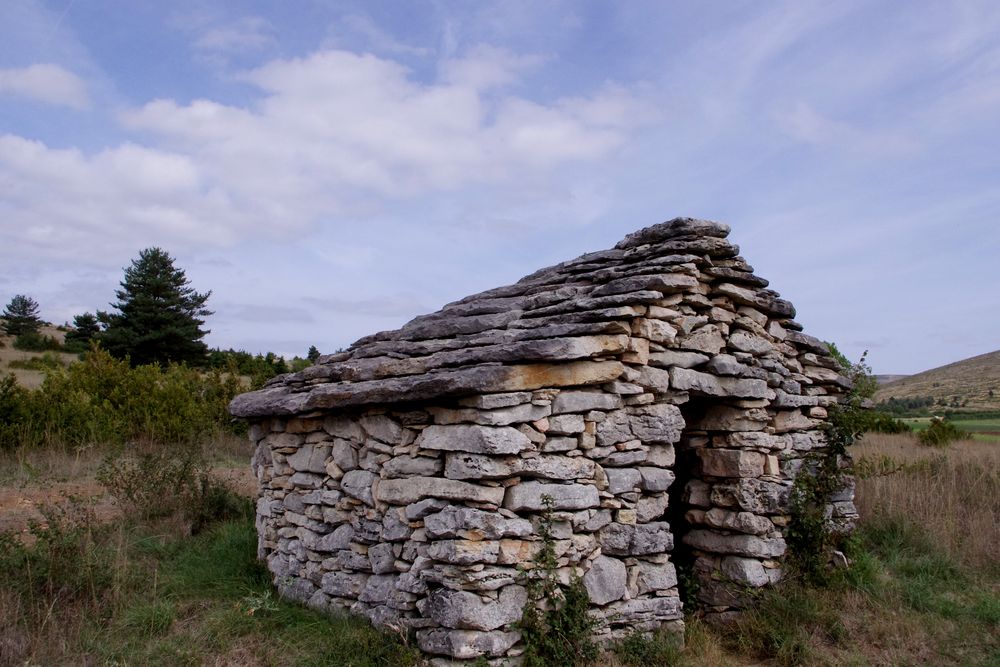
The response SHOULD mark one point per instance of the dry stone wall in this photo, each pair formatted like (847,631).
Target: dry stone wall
(657,393)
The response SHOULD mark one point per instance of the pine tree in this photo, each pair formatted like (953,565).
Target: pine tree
(160,315)
(84,329)
(313,354)
(21,316)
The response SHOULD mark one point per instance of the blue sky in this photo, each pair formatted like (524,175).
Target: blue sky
(330,169)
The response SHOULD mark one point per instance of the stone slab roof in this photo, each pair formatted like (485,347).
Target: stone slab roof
(560,326)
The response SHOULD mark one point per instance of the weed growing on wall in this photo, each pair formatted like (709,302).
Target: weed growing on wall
(555,626)
(810,535)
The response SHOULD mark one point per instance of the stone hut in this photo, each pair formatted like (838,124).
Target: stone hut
(657,394)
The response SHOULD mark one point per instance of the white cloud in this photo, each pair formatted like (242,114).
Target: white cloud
(331,136)
(45,83)
(375,37)
(246,34)
(487,67)
(804,123)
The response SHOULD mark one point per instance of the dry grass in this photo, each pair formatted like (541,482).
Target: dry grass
(31,379)
(954,493)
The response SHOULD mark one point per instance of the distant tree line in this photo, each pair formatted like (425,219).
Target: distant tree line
(158,318)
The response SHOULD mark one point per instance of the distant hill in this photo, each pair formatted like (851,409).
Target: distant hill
(973,384)
(886,379)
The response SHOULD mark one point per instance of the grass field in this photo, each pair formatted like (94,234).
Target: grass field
(11,358)
(91,586)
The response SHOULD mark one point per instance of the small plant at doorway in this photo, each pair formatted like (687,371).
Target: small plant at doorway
(810,534)
(560,634)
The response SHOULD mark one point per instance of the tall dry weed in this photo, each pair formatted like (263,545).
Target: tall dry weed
(953,494)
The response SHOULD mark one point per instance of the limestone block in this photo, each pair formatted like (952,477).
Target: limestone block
(529,495)
(793,420)
(464,552)
(743,341)
(358,484)
(422,508)
(466,644)
(622,480)
(668,283)
(378,589)
(641,611)
(619,539)
(655,577)
(344,584)
(638,351)
(726,418)
(654,379)
(744,571)
(465,610)
(650,508)
(394,529)
(707,339)
(479,578)
(409,490)
(697,493)
(526,412)
(344,454)
(684,379)
(343,427)
(477,466)
(584,401)
(557,444)
(676,359)
(305,480)
(493,401)
(741,522)
(340,538)
(605,580)
(474,438)
(309,458)
(566,424)
(731,462)
(614,429)
(382,428)
(659,423)
(752,495)
(474,524)
(742,545)
(655,480)
(413,466)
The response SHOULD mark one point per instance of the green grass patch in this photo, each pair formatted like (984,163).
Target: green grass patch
(898,578)
(158,598)
(987,430)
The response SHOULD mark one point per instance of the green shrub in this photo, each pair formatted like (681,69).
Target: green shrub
(45,362)
(167,482)
(13,410)
(638,649)
(941,433)
(32,341)
(561,633)
(781,622)
(880,422)
(102,400)
(65,559)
